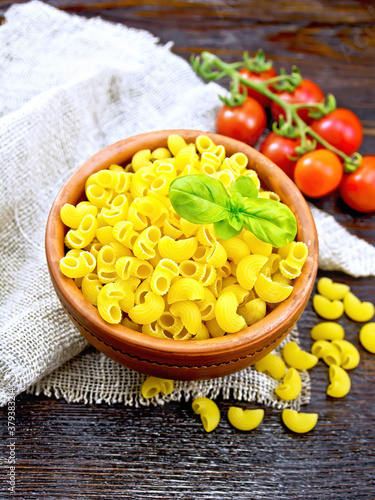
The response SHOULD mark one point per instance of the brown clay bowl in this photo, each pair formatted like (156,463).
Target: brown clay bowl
(172,359)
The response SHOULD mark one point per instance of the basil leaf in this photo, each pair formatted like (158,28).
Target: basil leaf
(237,203)
(236,221)
(271,221)
(224,230)
(199,198)
(245,187)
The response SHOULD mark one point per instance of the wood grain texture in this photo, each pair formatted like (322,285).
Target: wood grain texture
(76,451)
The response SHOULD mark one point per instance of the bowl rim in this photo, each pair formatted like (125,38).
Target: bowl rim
(120,152)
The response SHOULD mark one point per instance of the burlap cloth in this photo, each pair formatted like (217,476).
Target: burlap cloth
(68,88)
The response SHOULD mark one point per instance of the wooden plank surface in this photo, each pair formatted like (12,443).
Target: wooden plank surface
(72,451)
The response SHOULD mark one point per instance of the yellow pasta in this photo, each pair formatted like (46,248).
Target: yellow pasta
(245,420)
(72,216)
(208,411)
(291,385)
(271,364)
(328,309)
(153,386)
(349,354)
(91,287)
(339,382)
(145,267)
(226,313)
(248,270)
(357,310)
(185,289)
(271,291)
(328,330)
(151,309)
(189,314)
(253,311)
(331,290)
(367,337)
(326,351)
(299,422)
(297,358)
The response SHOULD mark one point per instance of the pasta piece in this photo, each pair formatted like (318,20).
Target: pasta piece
(269,195)
(84,234)
(236,249)
(129,286)
(327,309)
(299,422)
(106,264)
(208,411)
(225,176)
(226,313)
(146,242)
(202,334)
(185,289)
(367,337)
(141,159)
(170,323)
(326,351)
(72,216)
(205,144)
(340,382)
(248,270)
(118,210)
(78,267)
(154,330)
(160,154)
(153,386)
(255,245)
(191,269)
(291,386)
(280,278)
(91,287)
(128,323)
(124,233)
(120,249)
(207,305)
(357,310)
(219,151)
(206,235)
(328,330)
(189,313)
(216,287)
(271,291)
(179,250)
(297,254)
(163,275)
(239,161)
(253,311)
(271,364)
(131,266)
(349,354)
(148,312)
(105,235)
(98,196)
(331,290)
(142,180)
(141,292)
(217,255)
(240,293)
(108,303)
(297,358)
(210,276)
(289,270)
(214,328)
(245,420)
(272,264)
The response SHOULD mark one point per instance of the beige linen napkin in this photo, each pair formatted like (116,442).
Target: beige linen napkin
(69,87)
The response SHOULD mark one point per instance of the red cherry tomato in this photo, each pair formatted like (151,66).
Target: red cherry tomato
(358,188)
(279,150)
(258,77)
(318,173)
(342,129)
(245,123)
(307,92)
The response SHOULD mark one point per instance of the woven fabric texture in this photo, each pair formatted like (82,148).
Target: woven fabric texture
(68,88)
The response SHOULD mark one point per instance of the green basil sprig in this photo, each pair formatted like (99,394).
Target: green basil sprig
(202,199)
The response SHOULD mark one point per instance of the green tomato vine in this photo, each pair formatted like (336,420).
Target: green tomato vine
(293,126)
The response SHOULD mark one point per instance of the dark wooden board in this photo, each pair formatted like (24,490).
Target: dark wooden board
(72,451)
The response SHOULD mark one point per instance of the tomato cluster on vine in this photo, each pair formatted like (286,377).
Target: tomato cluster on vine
(317,171)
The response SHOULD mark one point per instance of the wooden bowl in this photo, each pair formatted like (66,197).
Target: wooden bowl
(172,359)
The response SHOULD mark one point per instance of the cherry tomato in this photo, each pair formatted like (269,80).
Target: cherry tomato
(342,129)
(245,123)
(258,77)
(318,173)
(307,92)
(279,150)
(358,188)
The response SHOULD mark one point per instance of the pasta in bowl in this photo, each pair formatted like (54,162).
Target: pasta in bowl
(161,293)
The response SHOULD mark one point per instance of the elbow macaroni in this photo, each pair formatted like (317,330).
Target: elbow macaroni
(144,266)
